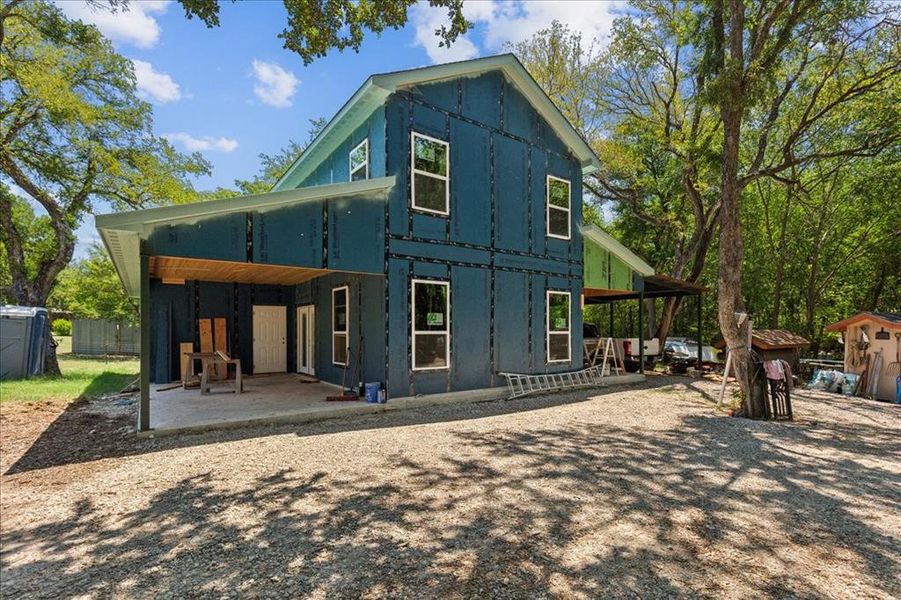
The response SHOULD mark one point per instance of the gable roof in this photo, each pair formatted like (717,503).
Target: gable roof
(375,90)
(122,232)
(882,318)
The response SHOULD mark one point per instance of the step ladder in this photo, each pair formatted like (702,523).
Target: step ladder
(521,385)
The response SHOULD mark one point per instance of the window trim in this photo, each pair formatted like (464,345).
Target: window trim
(346,331)
(547,327)
(549,207)
(365,165)
(414,332)
(414,171)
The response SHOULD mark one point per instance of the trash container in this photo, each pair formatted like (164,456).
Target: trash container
(22,341)
(372,392)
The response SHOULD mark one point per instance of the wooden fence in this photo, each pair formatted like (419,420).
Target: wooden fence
(96,337)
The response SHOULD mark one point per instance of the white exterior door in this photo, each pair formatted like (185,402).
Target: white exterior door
(306,339)
(270,329)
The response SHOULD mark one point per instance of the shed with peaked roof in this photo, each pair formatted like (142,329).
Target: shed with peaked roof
(868,335)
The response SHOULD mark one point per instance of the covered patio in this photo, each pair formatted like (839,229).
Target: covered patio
(266,398)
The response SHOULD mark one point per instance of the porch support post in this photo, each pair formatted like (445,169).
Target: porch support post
(144,400)
(610,330)
(641,331)
(700,323)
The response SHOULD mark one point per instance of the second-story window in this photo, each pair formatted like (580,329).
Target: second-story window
(430,172)
(557,207)
(359,161)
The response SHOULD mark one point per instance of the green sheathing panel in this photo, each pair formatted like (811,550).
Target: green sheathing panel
(620,275)
(604,270)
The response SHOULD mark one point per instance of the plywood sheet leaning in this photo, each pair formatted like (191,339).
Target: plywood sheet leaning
(184,349)
(220,344)
(206,335)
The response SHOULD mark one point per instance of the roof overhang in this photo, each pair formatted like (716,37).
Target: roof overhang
(123,232)
(883,319)
(373,93)
(610,243)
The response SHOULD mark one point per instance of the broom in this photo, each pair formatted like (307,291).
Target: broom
(346,395)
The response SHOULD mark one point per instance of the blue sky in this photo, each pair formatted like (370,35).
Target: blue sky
(233,92)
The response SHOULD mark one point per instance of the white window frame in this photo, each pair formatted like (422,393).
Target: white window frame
(346,331)
(549,207)
(547,327)
(350,165)
(414,171)
(447,328)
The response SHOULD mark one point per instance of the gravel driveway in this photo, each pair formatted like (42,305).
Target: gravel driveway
(638,492)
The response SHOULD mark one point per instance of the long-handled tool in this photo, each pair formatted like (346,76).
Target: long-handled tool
(347,394)
(894,368)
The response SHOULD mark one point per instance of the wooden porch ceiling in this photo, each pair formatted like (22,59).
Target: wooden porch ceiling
(173,269)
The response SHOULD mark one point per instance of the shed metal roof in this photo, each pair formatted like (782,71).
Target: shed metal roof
(375,90)
(122,232)
(885,319)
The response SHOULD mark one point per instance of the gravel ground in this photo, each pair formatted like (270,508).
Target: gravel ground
(639,492)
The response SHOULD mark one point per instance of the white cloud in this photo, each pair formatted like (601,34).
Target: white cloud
(502,21)
(274,85)
(155,85)
(133,25)
(201,144)
(426,19)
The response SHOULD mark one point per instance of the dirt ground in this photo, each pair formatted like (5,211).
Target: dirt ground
(639,492)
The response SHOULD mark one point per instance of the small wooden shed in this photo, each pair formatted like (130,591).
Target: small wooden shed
(883,335)
(772,344)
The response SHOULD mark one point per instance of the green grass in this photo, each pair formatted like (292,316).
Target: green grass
(82,377)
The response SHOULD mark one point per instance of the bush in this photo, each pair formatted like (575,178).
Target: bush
(61,327)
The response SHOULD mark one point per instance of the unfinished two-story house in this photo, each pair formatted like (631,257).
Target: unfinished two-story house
(430,238)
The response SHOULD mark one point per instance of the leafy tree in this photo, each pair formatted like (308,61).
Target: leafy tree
(316,26)
(273,166)
(72,133)
(795,82)
(90,289)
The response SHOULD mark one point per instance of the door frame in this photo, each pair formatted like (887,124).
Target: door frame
(310,310)
(283,313)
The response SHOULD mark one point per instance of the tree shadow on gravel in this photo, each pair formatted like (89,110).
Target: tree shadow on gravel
(701,509)
(79,435)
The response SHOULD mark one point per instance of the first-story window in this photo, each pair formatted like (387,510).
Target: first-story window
(359,161)
(339,325)
(431,324)
(558,197)
(430,173)
(558,329)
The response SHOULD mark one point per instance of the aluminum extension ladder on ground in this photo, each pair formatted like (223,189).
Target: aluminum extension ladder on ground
(520,384)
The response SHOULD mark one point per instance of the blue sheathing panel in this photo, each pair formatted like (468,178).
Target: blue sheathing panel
(538,324)
(429,226)
(356,235)
(469,335)
(511,193)
(538,196)
(161,345)
(172,310)
(218,238)
(289,236)
(429,122)
(397,111)
(470,191)
(520,119)
(511,331)
(399,382)
(532,263)
(482,98)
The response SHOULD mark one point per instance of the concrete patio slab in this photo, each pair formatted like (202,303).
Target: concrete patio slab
(285,398)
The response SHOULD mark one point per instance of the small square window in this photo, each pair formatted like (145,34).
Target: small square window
(359,161)
(558,213)
(431,325)
(430,174)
